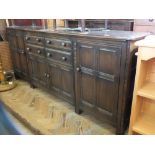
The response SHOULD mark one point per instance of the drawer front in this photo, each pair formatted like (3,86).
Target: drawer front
(35,50)
(145,22)
(145,29)
(34,40)
(58,43)
(61,56)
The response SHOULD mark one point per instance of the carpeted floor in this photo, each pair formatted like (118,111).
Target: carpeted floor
(44,113)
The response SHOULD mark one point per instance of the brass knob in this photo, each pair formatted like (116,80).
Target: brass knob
(78,69)
(64,58)
(49,55)
(47,75)
(37,39)
(28,49)
(48,42)
(38,51)
(63,44)
(27,38)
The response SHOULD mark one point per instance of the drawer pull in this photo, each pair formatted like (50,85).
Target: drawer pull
(37,39)
(78,69)
(48,42)
(150,20)
(64,58)
(27,38)
(28,49)
(49,54)
(63,44)
(47,75)
(38,51)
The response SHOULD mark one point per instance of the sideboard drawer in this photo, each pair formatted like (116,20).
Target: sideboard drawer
(57,55)
(34,40)
(58,43)
(36,50)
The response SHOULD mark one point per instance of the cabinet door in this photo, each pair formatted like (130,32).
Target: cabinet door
(85,76)
(55,79)
(97,79)
(108,66)
(42,71)
(16,60)
(67,83)
(12,40)
(32,67)
(23,63)
(23,59)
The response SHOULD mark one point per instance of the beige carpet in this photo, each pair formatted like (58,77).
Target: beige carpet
(44,113)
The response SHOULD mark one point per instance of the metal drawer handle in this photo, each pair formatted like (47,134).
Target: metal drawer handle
(78,69)
(27,38)
(37,39)
(64,58)
(63,44)
(48,42)
(49,55)
(47,75)
(28,49)
(38,51)
(150,20)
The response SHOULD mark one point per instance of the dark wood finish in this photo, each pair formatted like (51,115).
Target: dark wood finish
(16,40)
(94,71)
(98,67)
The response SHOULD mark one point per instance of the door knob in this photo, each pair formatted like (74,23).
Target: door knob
(64,58)
(49,55)
(37,39)
(47,75)
(63,44)
(48,42)
(28,49)
(27,38)
(38,51)
(78,69)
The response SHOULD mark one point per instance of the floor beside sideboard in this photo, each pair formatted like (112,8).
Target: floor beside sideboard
(30,110)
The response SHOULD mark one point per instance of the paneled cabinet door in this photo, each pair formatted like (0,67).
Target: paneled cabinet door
(55,79)
(12,40)
(16,60)
(97,70)
(32,68)
(67,83)
(23,59)
(42,72)
(85,77)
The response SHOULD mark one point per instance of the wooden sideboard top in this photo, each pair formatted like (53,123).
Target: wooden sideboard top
(105,34)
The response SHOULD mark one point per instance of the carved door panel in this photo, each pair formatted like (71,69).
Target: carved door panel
(107,81)
(32,67)
(85,78)
(16,60)
(42,72)
(67,82)
(55,79)
(97,78)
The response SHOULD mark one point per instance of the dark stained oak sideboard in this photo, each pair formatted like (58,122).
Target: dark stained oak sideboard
(94,71)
